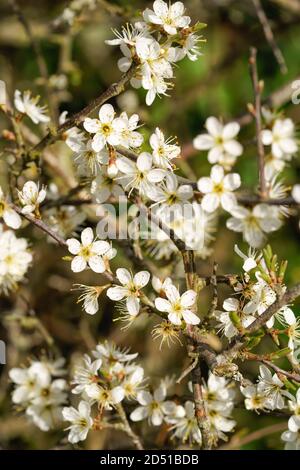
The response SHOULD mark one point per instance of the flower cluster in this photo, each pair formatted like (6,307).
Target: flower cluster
(40,391)
(163,38)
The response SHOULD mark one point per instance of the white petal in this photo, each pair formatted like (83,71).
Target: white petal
(87,236)
(73,246)
(203,142)
(210,202)
(188,298)
(214,126)
(78,264)
(123,276)
(11,218)
(190,318)
(162,305)
(97,264)
(106,113)
(217,174)
(230,130)
(133,305)
(205,185)
(116,293)
(232,181)
(141,279)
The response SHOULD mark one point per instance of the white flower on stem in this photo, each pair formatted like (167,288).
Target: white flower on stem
(81,421)
(106,398)
(170,193)
(262,296)
(220,141)
(178,307)
(88,253)
(89,162)
(130,289)
(281,138)
(153,407)
(130,137)
(31,197)
(218,189)
(132,383)
(104,186)
(254,400)
(89,296)
(171,17)
(250,259)
(231,306)
(217,392)
(28,105)
(185,425)
(272,387)
(254,223)
(107,128)
(86,374)
(163,151)
(10,217)
(139,175)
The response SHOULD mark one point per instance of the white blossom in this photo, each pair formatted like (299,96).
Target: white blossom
(88,253)
(218,189)
(171,17)
(220,141)
(28,105)
(281,138)
(254,223)
(81,421)
(130,289)
(163,151)
(31,197)
(153,407)
(178,307)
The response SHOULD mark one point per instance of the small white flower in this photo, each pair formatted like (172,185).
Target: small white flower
(226,324)
(163,151)
(272,387)
(107,128)
(130,289)
(130,137)
(139,175)
(31,197)
(220,141)
(254,223)
(250,260)
(10,217)
(110,354)
(88,252)
(218,189)
(154,407)
(185,424)
(254,400)
(105,397)
(28,105)
(178,307)
(86,374)
(170,193)
(169,17)
(28,381)
(281,138)
(133,382)
(81,421)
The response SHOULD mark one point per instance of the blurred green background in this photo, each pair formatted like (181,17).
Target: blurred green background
(217,84)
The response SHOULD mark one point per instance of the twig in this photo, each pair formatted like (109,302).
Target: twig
(214,283)
(41,225)
(189,369)
(127,428)
(236,443)
(269,35)
(260,147)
